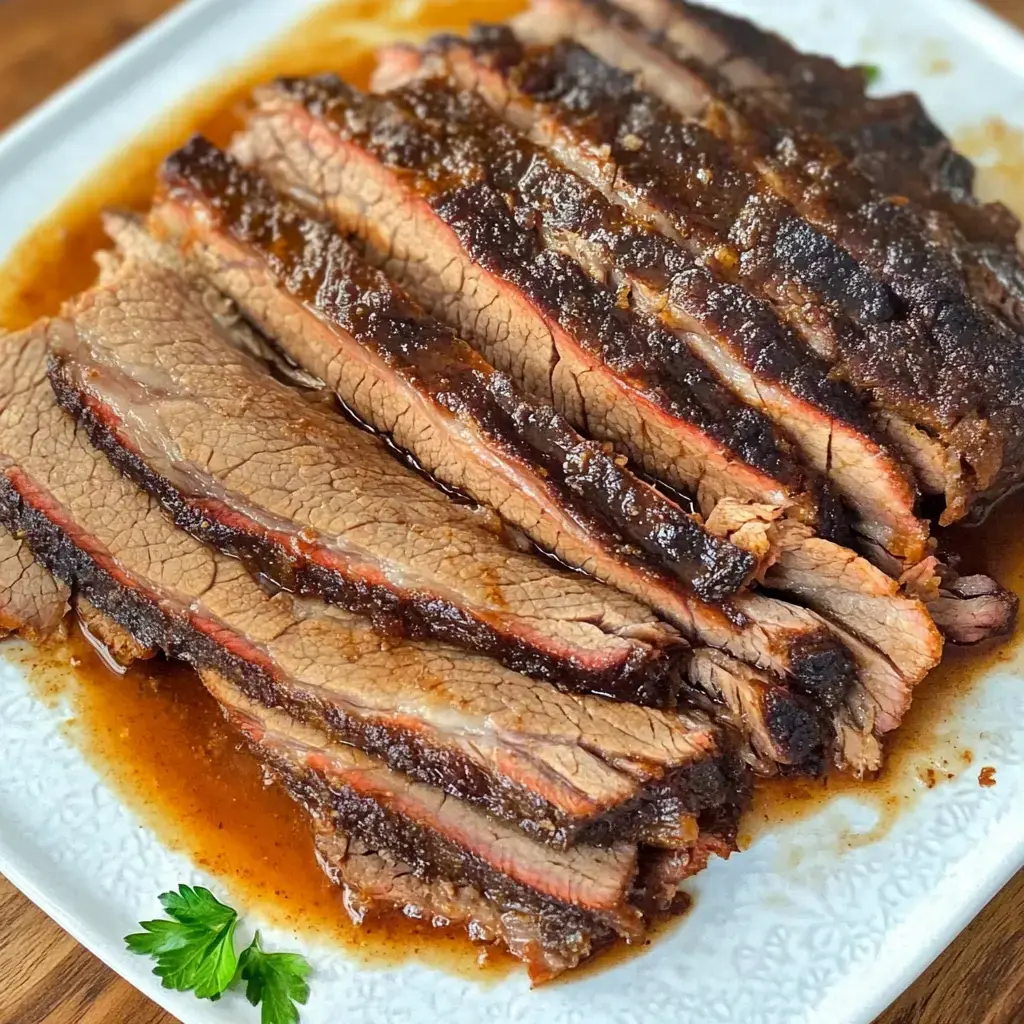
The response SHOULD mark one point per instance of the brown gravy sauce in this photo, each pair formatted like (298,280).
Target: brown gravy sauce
(157,736)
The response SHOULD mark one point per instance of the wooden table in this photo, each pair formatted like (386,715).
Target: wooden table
(45,976)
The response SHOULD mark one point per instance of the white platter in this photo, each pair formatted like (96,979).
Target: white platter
(832,941)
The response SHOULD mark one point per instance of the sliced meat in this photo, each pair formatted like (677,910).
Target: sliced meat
(968,609)
(540,94)
(321,507)
(560,226)
(779,638)
(413,380)
(438,836)
(375,882)
(778,728)
(713,445)
(890,139)
(838,583)
(974,609)
(32,603)
(555,764)
(903,284)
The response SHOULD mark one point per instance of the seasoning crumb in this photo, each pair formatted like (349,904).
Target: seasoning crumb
(987,777)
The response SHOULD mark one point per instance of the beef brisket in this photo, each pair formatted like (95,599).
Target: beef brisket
(321,507)
(964,382)
(708,440)
(533,308)
(238,208)
(373,882)
(777,729)
(557,764)
(587,888)
(776,636)
(394,843)
(413,380)
(891,139)
(32,603)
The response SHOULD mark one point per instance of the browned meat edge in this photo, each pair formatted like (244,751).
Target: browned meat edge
(373,882)
(965,382)
(553,210)
(657,778)
(32,602)
(315,273)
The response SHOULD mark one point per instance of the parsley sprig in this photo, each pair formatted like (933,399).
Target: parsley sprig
(275,982)
(195,952)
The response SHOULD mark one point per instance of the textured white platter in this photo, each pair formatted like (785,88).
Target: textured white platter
(797,930)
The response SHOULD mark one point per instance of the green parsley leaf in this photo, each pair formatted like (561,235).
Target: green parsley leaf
(195,951)
(275,982)
(872,73)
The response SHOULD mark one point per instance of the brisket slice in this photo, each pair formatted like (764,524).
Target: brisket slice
(563,229)
(968,609)
(560,766)
(32,603)
(322,508)
(413,380)
(710,444)
(694,58)
(964,383)
(777,730)
(890,139)
(841,585)
(374,882)
(438,836)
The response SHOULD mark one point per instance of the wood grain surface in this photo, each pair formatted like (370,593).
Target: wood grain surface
(45,976)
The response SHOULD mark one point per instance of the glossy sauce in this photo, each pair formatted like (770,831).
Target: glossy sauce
(158,737)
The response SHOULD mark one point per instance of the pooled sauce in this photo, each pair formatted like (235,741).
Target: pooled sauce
(929,748)
(158,737)
(160,740)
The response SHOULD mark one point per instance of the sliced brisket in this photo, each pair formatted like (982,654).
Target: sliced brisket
(757,628)
(557,764)
(321,507)
(586,889)
(965,380)
(549,317)
(777,729)
(373,882)
(32,602)
(890,139)
(413,380)
(523,229)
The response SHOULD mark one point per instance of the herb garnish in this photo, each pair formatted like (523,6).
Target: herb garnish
(195,952)
(872,73)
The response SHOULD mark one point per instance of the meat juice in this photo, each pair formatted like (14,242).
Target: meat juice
(158,737)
